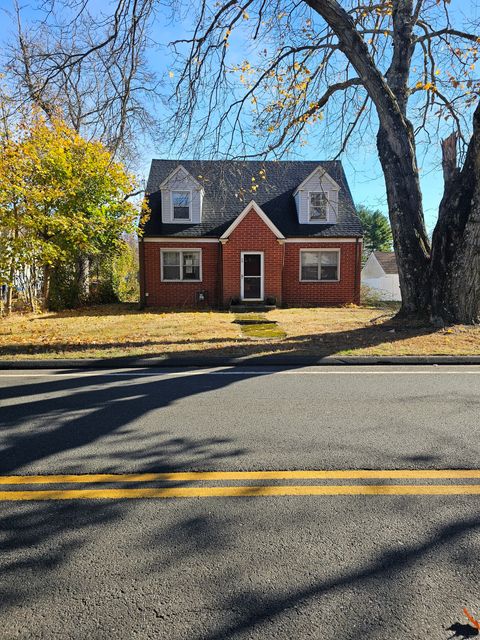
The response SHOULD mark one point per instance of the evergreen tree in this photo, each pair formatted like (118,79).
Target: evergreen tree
(376,229)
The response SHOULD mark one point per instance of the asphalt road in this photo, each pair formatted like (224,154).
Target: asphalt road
(264,566)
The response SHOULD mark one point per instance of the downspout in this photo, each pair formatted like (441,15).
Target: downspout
(282,244)
(142,279)
(357,264)
(220,275)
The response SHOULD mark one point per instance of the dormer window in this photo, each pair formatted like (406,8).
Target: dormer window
(182,198)
(318,203)
(316,198)
(181,205)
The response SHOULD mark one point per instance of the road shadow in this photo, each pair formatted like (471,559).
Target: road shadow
(66,415)
(462,631)
(98,406)
(33,428)
(257,610)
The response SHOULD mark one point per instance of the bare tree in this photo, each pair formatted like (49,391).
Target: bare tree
(402,66)
(90,68)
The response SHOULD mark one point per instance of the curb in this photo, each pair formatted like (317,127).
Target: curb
(268,361)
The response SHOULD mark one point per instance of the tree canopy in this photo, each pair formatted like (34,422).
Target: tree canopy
(60,196)
(376,229)
(405,69)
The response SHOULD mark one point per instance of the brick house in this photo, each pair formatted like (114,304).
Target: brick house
(226,231)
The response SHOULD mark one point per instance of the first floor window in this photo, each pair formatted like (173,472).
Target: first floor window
(181,205)
(319,265)
(318,205)
(181,265)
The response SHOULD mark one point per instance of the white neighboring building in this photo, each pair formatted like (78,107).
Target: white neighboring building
(380,273)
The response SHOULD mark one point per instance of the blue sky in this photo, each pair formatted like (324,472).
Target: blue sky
(360,161)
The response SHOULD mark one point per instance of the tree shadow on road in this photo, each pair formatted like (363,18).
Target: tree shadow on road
(67,414)
(64,416)
(67,417)
(381,570)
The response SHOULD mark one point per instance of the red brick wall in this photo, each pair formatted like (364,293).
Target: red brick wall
(252,234)
(296,293)
(179,294)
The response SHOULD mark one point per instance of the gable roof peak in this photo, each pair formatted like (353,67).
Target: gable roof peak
(387,260)
(323,174)
(179,168)
(252,206)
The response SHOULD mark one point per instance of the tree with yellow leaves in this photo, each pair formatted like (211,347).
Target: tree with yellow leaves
(60,196)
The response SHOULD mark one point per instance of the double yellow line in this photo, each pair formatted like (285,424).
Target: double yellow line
(245,490)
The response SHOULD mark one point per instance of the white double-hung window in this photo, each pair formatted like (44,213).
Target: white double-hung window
(181,205)
(317,206)
(320,266)
(184,265)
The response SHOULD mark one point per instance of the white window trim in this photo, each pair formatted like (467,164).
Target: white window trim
(315,250)
(323,175)
(181,251)
(190,206)
(326,193)
(262,276)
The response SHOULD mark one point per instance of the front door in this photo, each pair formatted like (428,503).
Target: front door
(252,275)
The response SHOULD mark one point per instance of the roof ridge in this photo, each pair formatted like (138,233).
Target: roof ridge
(273,193)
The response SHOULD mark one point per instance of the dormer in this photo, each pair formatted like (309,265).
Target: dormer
(316,198)
(182,198)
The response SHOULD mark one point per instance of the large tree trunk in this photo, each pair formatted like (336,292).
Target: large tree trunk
(455,264)
(395,142)
(396,147)
(464,277)
(409,234)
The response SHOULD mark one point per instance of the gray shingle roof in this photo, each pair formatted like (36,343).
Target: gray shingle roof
(387,260)
(228,189)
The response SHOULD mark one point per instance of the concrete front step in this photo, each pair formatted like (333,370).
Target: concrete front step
(251,308)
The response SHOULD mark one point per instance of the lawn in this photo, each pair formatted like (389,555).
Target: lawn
(122,330)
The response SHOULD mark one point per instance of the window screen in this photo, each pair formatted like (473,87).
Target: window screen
(181,205)
(319,265)
(181,265)
(318,205)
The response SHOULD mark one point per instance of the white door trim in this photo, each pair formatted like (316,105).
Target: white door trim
(242,296)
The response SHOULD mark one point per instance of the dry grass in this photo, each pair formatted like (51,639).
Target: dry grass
(372,331)
(121,330)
